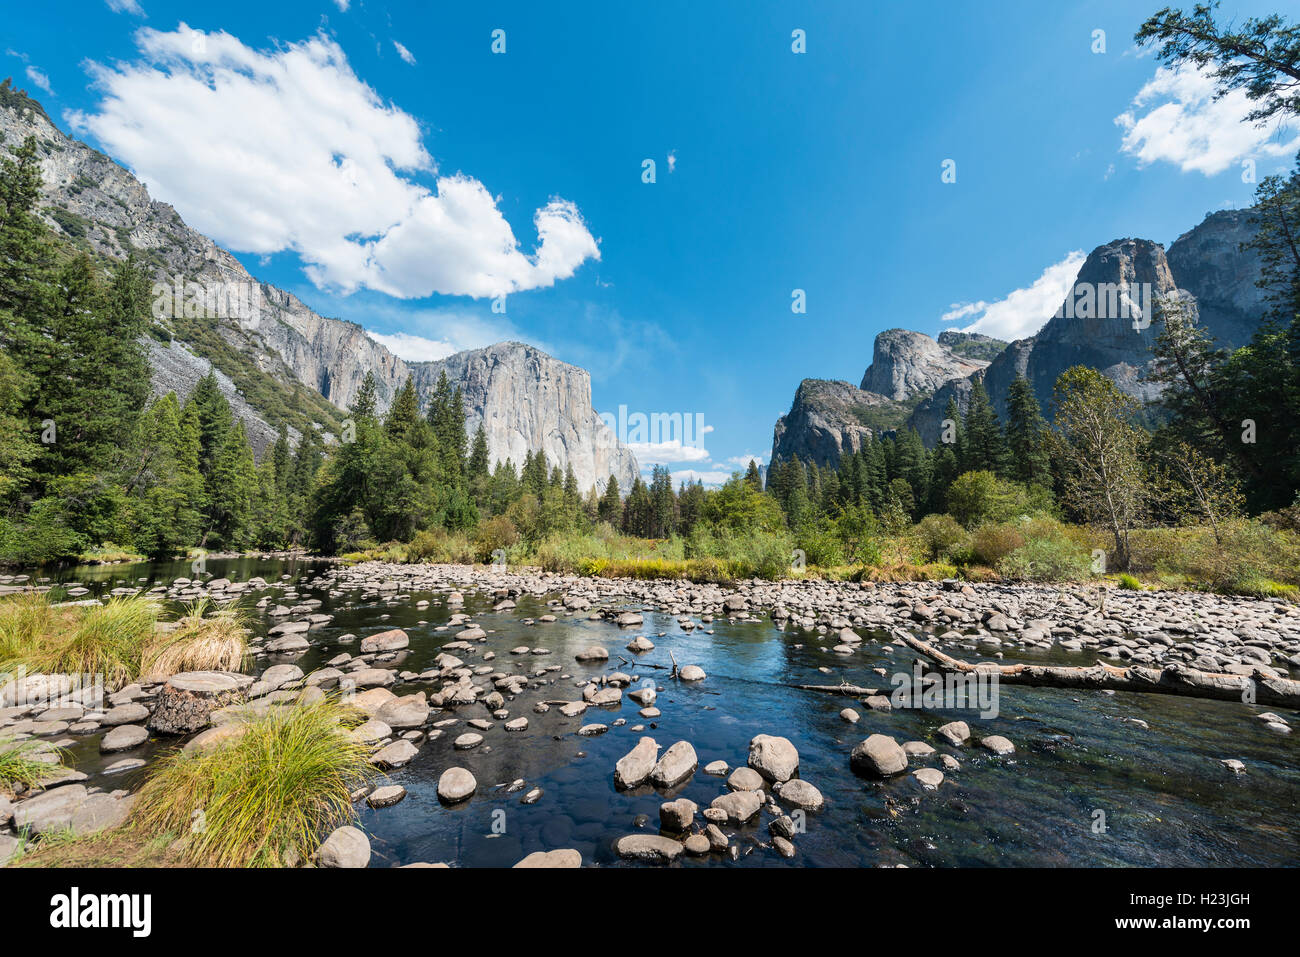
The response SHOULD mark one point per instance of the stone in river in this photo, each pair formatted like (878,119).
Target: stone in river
(739,806)
(456,784)
(801,794)
(955,732)
(123,738)
(637,765)
(677,815)
(394,755)
(745,779)
(648,847)
(692,673)
(773,757)
(677,764)
(467,741)
(879,755)
(564,857)
(592,653)
(346,847)
(997,744)
(386,796)
(390,640)
(928,778)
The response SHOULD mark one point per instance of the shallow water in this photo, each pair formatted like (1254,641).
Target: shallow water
(1161,792)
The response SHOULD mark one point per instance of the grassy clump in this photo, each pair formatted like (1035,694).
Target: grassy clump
(1129,582)
(266,799)
(123,639)
(26,763)
(205,639)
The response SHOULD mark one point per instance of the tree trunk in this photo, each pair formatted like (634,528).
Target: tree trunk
(1171,679)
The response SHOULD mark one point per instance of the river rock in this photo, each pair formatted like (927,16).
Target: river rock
(739,806)
(391,640)
(123,738)
(955,732)
(648,847)
(346,847)
(563,858)
(880,755)
(997,744)
(677,815)
(456,784)
(677,764)
(801,794)
(773,757)
(637,765)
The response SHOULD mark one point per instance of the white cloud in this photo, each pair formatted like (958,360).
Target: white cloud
(39,79)
(742,461)
(1181,122)
(672,161)
(404,53)
(1023,312)
(414,348)
(126,6)
(710,478)
(662,453)
(287,149)
(342,5)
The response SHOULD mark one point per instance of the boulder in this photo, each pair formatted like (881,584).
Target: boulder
(564,857)
(879,755)
(346,847)
(637,765)
(392,640)
(456,784)
(677,764)
(773,757)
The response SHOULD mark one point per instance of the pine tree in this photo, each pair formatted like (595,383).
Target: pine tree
(984,446)
(1027,455)
(611,505)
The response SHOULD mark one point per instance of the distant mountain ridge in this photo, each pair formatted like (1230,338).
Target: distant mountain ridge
(1206,265)
(283,363)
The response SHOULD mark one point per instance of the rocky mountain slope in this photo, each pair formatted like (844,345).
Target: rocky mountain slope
(829,418)
(907,363)
(525,401)
(281,363)
(1107,321)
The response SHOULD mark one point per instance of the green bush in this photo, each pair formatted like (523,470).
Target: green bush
(942,537)
(1047,560)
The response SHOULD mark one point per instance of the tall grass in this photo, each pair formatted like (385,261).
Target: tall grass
(265,799)
(205,639)
(20,765)
(120,639)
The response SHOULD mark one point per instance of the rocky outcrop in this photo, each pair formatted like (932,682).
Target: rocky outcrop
(526,400)
(829,418)
(971,345)
(1208,261)
(905,364)
(1096,327)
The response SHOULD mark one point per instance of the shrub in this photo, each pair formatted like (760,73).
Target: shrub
(1129,582)
(1046,560)
(942,537)
(990,544)
(497,533)
(268,797)
(975,498)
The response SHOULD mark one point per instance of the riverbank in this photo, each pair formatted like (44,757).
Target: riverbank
(537,685)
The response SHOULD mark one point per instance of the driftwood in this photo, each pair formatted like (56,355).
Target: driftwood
(1174,679)
(854,691)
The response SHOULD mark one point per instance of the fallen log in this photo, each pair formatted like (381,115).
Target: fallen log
(854,691)
(1174,679)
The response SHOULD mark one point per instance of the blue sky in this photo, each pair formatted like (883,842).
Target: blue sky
(383,163)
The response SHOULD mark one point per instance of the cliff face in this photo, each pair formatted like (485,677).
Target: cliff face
(829,418)
(1108,322)
(907,363)
(1208,262)
(282,355)
(526,400)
